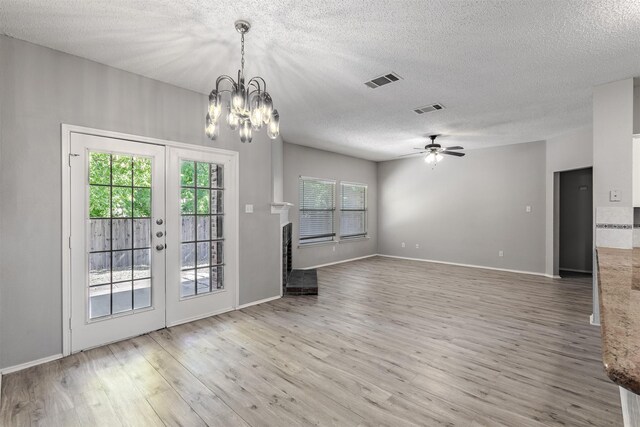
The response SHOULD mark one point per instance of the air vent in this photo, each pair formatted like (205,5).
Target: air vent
(383,80)
(428,108)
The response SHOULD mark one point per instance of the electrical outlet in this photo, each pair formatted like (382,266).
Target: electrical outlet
(334,248)
(403,244)
(527,209)
(614,196)
(500,253)
(417,246)
(248,208)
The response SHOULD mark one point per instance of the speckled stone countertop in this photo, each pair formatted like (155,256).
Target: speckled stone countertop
(619,290)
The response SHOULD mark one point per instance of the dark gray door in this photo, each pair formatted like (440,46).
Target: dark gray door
(576,219)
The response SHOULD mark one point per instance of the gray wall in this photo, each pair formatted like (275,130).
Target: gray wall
(306,161)
(576,220)
(42,88)
(572,150)
(612,151)
(466,209)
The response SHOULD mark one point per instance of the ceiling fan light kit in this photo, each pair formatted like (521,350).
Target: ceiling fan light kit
(435,151)
(249,106)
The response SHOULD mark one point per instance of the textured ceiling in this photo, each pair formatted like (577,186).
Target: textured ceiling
(507,71)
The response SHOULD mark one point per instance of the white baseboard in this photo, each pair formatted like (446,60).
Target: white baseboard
(592,322)
(533,273)
(337,262)
(249,304)
(26,365)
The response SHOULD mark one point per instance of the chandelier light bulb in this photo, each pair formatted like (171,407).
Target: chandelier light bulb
(212,129)
(267,108)
(439,157)
(215,105)
(429,158)
(249,104)
(245,131)
(238,98)
(273,129)
(232,120)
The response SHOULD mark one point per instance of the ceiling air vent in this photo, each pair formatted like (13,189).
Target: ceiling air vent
(383,80)
(428,108)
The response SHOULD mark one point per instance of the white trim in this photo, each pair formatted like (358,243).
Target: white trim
(353,239)
(327,180)
(533,273)
(65,139)
(249,304)
(26,365)
(312,244)
(202,316)
(339,262)
(591,322)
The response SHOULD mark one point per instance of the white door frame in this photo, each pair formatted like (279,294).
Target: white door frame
(66,131)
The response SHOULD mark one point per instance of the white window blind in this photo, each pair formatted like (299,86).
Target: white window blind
(353,210)
(317,206)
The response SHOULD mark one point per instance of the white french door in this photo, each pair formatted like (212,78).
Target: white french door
(117,239)
(203,259)
(153,237)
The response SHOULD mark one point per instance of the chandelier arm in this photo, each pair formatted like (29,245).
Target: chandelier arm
(264,84)
(224,77)
(255,84)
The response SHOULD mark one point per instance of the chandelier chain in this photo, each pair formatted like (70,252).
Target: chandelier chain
(242,52)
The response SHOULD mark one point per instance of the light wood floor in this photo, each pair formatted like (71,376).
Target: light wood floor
(388,342)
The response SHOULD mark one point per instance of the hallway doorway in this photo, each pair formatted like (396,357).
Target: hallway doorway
(575,248)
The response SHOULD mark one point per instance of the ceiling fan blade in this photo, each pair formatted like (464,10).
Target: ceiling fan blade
(418,148)
(457,147)
(411,154)
(452,153)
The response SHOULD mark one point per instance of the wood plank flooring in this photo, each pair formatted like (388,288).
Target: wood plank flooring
(387,342)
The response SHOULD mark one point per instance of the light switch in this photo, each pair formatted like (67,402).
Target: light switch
(248,208)
(614,196)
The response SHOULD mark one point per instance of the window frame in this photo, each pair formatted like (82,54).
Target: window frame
(364,210)
(331,237)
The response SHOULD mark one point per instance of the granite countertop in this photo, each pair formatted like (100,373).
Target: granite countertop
(619,290)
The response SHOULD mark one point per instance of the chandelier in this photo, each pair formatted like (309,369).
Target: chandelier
(249,106)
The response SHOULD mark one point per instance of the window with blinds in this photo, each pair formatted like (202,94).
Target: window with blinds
(353,210)
(317,206)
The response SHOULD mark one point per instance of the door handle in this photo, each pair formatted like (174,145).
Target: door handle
(160,247)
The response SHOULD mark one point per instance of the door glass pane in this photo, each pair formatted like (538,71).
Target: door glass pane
(99,301)
(121,229)
(188,228)
(142,293)
(187,283)
(119,245)
(121,203)
(99,201)
(122,297)
(142,264)
(201,204)
(203,227)
(121,266)
(122,170)
(142,233)
(142,202)
(99,235)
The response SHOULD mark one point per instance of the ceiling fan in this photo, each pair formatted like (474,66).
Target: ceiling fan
(435,151)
